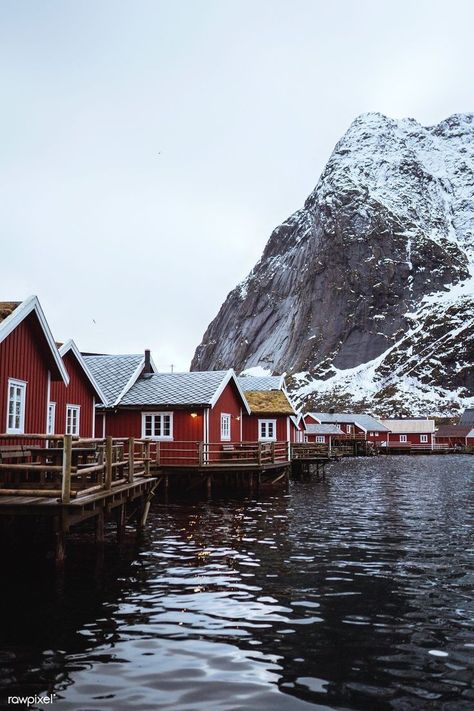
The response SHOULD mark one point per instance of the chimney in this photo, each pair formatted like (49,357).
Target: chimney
(147,367)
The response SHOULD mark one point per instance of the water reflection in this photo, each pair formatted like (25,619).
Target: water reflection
(353,593)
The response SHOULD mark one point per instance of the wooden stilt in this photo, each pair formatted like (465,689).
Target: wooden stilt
(100,527)
(121,523)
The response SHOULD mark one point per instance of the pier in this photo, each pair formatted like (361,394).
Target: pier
(61,482)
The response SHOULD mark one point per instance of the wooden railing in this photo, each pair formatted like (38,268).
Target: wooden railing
(66,467)
(217,454)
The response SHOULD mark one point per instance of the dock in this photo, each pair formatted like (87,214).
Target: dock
(62,482)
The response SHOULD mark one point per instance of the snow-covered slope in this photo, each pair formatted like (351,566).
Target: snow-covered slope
(365,296)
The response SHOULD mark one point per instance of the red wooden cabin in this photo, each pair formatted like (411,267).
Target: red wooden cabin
(72,408)
(322,434)
(455,436)
(269,418)
(410,432)
(354,426)
(178,410)
(29,364)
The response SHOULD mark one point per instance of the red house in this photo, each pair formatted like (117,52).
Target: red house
(30,364)
(71,409)
(297,427)
(170,408)
(354,426)
(269,417)
(410,433)
(322,434)
(455,436)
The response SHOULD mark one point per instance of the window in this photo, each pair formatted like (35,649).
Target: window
(403,438)
(16,407)
(50,425)
(72,419)
(157,425)
(423,439)
(349,429)
(371,434)
(319,439)
(267,430)
(225,427)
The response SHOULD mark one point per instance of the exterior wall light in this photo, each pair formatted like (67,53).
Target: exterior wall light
(193,414)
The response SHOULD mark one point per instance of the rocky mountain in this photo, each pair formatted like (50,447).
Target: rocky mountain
(365,296)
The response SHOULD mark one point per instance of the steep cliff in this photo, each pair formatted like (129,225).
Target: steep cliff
(365,296)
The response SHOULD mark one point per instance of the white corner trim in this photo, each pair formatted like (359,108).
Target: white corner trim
(19,314)
(230,375)
(71,346)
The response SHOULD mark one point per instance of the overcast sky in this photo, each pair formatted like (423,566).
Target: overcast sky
(150,148)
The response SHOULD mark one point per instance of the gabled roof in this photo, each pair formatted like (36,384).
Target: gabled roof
(115,374)
(71,346)
(324,429)
(454,431)
(12,313)
(269,402)
(195,389)
(410,426)
(261,382)
(365,422)
(296,419)
(467,417)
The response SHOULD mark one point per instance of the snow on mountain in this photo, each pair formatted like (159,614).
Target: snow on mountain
(365,296)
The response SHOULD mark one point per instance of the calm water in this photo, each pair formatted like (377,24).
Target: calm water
(356,593)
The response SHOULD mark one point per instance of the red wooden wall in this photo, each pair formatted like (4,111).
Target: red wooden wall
(229,403)
(78,392)
(412,438)
(24,356)
(250,427)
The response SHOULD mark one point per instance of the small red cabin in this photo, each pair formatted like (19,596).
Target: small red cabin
(354,426)
(411,433)
(30,364)
(269,418)
(322,434)
(71,409)
(455,436)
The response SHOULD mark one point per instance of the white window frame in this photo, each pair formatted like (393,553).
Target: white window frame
(51,421)
(72,409)
(226,421)
(21,385)
(263,427)
(403,438)
(349,429)
(320,439)
(423,439)
(154,416)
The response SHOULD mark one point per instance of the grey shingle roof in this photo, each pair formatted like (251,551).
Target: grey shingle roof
(113,372)
(260,382)
(367,422)
(323,429)
(171,389)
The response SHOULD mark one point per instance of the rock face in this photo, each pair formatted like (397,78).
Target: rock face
(365,296)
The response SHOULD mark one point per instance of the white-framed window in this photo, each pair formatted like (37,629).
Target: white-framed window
(403,438)
(423,439)
(306,438)
(157,425)
(267,430)
(349,429)
(320,439)
(50,425)
(73,414)
(371,434)
(16,406)
(225,427)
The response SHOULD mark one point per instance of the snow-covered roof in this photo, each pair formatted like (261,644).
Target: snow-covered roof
(261,382)
(115,374)
(196,389)
(365,422)
(410,426)
(323,430)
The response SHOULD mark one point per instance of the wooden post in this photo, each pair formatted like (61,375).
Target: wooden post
(273,452)
(259,454)
(100,527)
(67,460)
(131,459)
(209,485)
(158,454)
(201,453)
(147,458)
(108,462)
(120,523)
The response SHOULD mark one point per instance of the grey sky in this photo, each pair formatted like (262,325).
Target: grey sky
(149,148)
